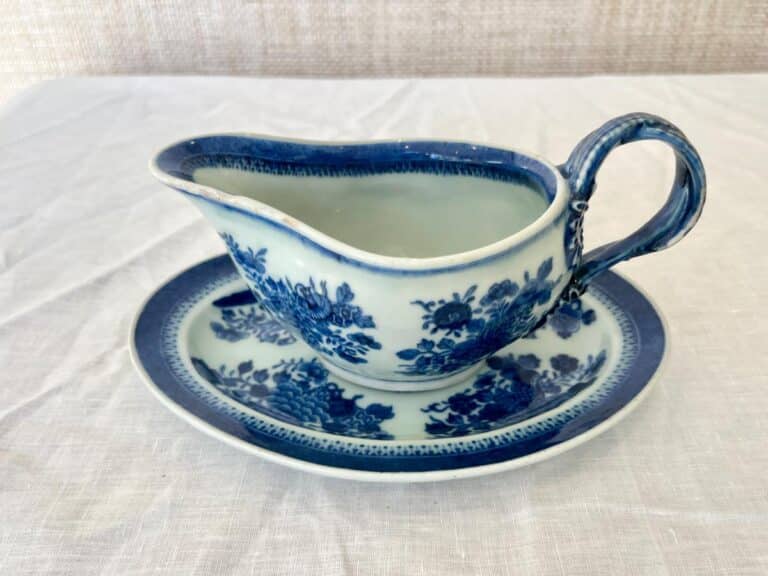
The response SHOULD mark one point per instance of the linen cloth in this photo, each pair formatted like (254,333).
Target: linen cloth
(97,477)
(45,38)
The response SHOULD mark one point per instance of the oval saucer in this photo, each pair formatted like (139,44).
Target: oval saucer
(215,358)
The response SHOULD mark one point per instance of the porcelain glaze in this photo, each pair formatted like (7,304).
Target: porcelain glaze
(340,260)
(214,356)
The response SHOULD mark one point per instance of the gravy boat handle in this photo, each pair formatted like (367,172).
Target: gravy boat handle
(674,220)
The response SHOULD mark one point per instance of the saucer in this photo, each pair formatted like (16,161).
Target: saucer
(211,354)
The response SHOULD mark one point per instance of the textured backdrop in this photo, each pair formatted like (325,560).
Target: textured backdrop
(45,38)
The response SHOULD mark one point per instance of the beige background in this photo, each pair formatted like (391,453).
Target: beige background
(48,38)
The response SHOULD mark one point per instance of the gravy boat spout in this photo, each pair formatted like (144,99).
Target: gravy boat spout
(403,264)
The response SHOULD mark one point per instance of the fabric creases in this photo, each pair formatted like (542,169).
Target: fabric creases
(98,478)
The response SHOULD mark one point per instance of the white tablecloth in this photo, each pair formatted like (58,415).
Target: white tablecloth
(96,477)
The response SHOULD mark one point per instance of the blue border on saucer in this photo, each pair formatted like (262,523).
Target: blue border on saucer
(152,352)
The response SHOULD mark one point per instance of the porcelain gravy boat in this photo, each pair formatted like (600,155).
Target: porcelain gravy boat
(405,264)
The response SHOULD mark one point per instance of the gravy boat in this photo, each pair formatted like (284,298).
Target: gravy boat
(405,264)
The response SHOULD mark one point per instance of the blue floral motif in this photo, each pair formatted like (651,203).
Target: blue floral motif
(568,317)
(242,317)
(514,388)
(326,322)
(298,391)
(451,316)
(472,329)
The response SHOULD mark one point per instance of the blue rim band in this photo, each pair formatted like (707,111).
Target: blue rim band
(355,160)
(358,160)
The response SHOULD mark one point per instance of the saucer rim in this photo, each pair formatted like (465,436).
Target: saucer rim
(401,476)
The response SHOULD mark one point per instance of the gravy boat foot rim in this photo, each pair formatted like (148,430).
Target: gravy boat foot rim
(402,385)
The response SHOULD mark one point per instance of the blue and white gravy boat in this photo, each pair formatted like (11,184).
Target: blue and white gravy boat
(406,264)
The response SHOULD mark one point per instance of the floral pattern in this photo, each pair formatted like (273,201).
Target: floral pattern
(515,387)
(242,317)
(329,322)
(464,329)
(298,391)
(567,318)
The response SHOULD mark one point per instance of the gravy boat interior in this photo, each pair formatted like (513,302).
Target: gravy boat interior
(398,203)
